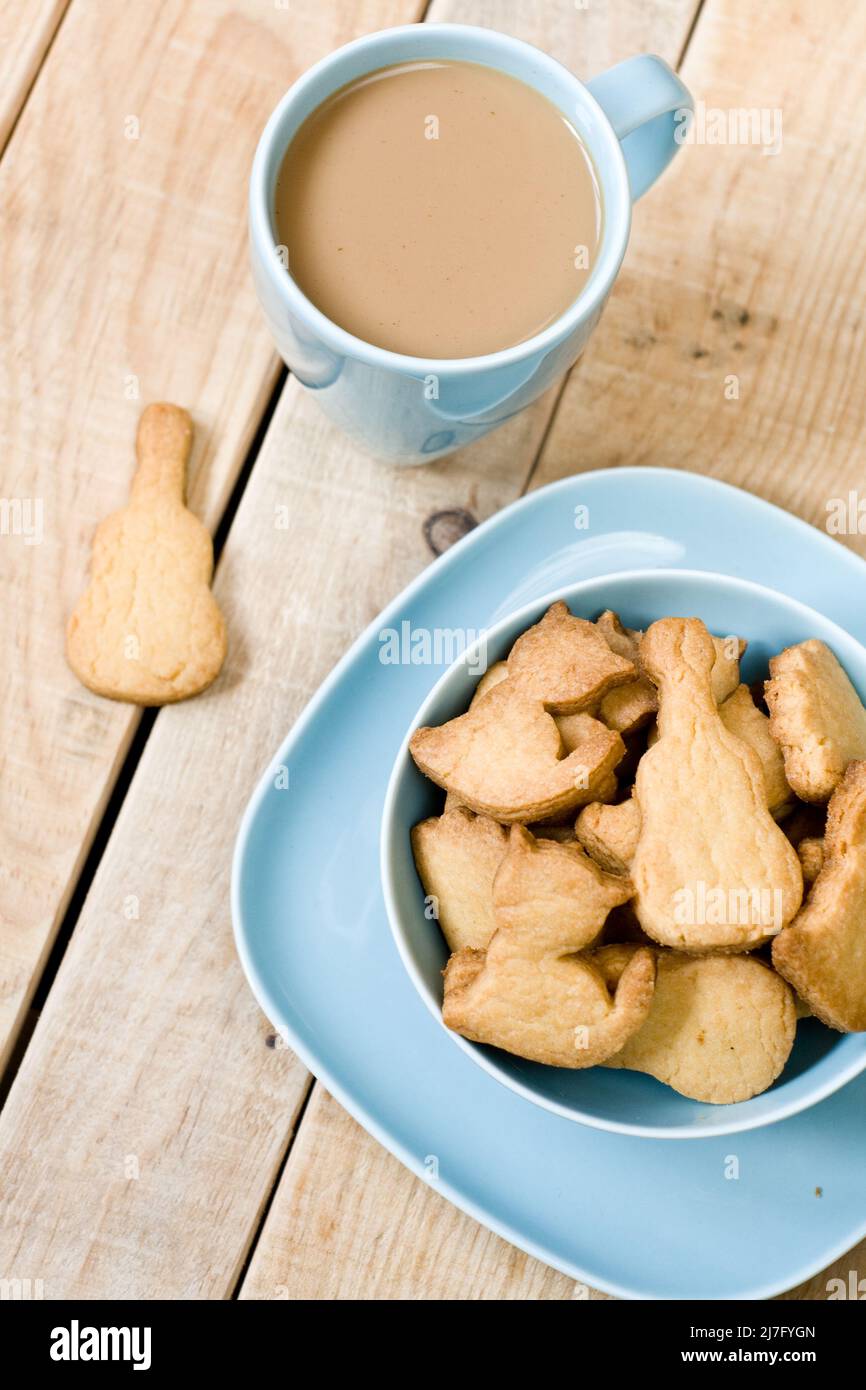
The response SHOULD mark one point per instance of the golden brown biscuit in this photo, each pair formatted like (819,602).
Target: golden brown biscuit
(816,718)
(530,993)
(457,855)
(627,707)
(725,675)
(810,852)
(742,717)
(566,662)
(492,677)
(576,729)
(712,870)
(720,1028)
(148,629)
(823,952)
(504,758)
(553,891)
(609,834)
(631,706)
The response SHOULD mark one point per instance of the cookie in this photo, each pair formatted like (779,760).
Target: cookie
(531,993)
(631,706)
(712,869)
(566,662)
(492,677)
(823,952)
(553,891)
(609,834)
(574,729)
(719,1030)
(457,855)
(742,717)
(627,707)
(504,758)
(816,718)
(148,629)
(810,852)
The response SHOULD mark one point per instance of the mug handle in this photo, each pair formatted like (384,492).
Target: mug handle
(648,107)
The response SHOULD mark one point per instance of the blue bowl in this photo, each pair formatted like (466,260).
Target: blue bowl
(627,1102)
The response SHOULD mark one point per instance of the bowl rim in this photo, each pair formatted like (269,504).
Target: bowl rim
(845,1070)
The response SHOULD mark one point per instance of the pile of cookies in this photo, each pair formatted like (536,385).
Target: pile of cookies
(620,866)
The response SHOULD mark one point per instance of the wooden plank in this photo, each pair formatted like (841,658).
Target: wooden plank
(845,1278)
(748,266)
(26,32)
(366,1228)
(125,279)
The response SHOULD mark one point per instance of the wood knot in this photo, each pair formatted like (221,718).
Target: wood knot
(443,529)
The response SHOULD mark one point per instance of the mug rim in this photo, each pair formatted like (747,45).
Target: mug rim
(614,238)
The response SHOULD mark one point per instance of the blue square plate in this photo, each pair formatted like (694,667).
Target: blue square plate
(640,1218)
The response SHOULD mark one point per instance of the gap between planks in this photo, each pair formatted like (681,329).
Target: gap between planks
(32,42)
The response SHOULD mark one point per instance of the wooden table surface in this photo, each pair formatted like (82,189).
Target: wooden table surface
(156,1139)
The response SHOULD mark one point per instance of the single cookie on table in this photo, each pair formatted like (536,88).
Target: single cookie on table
(823,952)
(504,758)
(742,717)
(457,855)
(609,834)
(712,869)
(531,993)
(719,1030)
(565,662)
(630,707)
(816,717)
(148,629)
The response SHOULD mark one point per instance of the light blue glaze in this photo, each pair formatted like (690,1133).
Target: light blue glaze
(635,1217)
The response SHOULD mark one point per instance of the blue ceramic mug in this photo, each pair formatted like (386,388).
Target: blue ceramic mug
(413,409)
